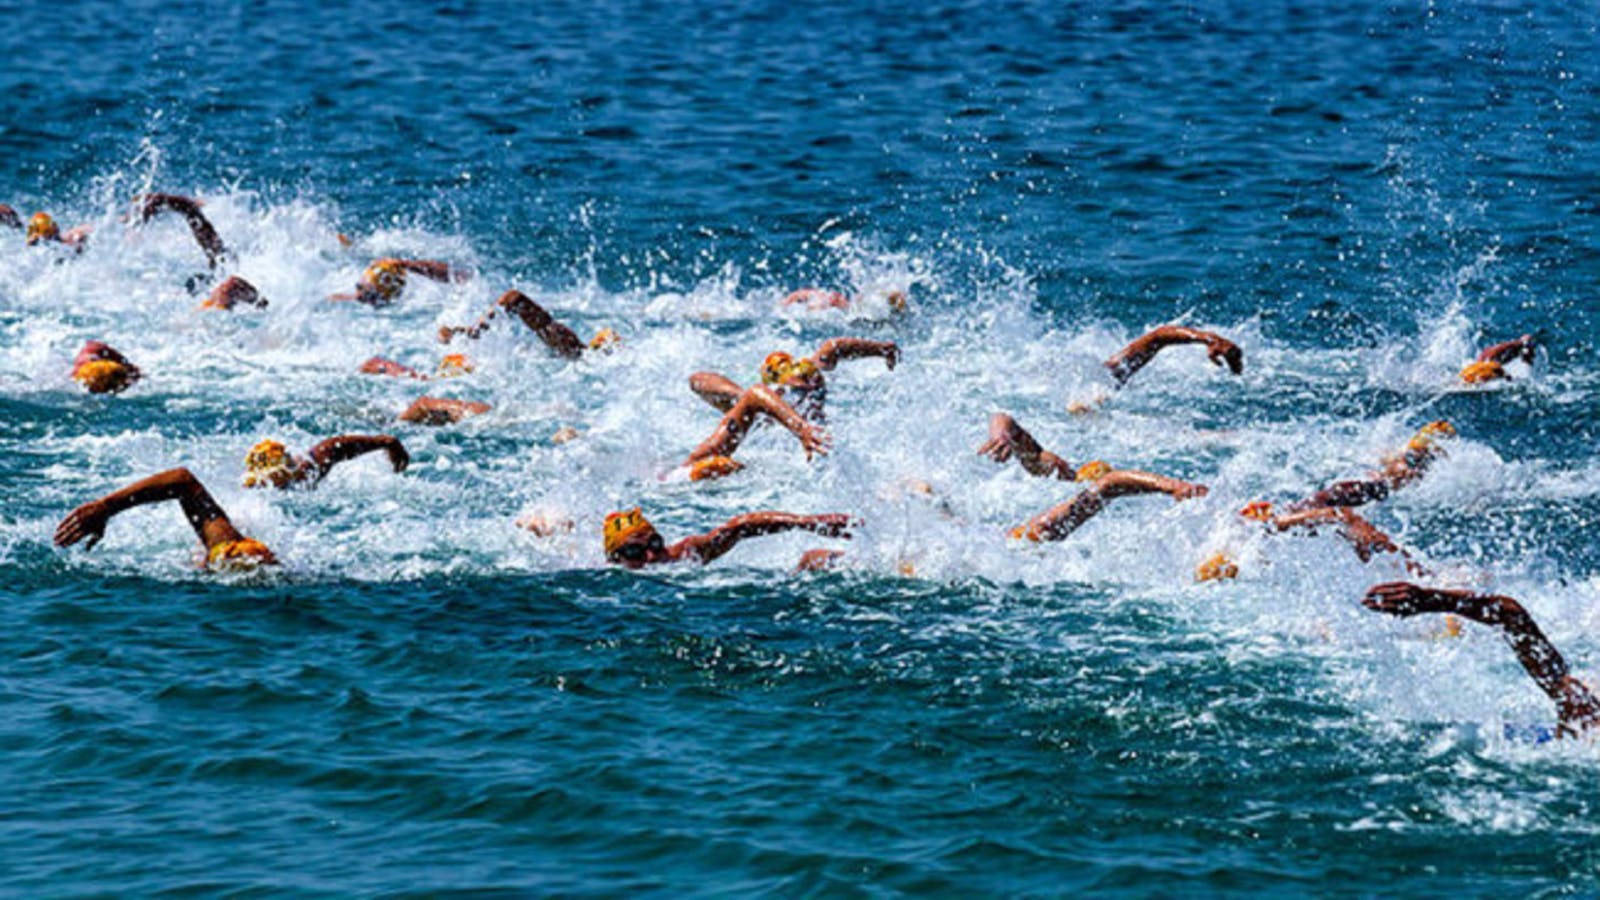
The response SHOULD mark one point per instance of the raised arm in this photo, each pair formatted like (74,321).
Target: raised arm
(233,291)
(1057,522)
(558,337)
(706,547)
(210,523)
(718,390)
(736,424)
(432,268)
(1575,704)
(1138,354)
(1131,482)
(834,351)
(204,234)
(1008,439)
(1522,348)
(1362,534)
(335,450)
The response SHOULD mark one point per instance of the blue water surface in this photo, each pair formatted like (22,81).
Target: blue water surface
(428,700)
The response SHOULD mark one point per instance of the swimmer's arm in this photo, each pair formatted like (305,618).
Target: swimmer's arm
(235,290)
(706,547)
(558,337)
(1007,439)
(1130,482)
(440,411)
(1521,348)
(188,207)
(380,366)
(9,217)
(210,523)
(1143,349)
(1058,521)
(432,268)
(736,424)
(1577,706)
(833,351)
(470,332)
(717,390)
(1362,534)
(825,298)
(335,450)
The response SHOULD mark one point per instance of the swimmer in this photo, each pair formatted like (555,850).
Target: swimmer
(102,370)
(450,366)
(438,411)
(1576,706)
(714,457)
(233,291)
(226,548)
(206,236)
(1008,439)
(43,229)
(818,300)
(1364,537)
(800,377)
(1490,364)
(382,282)
(1397,471)
(1137,355)
(631,541)
(269,463)
(558,337)
(1106,484)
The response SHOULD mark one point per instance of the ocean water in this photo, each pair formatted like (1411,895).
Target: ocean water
(425,699)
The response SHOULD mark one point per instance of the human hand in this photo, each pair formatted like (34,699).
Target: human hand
(398,457)
(1397,598)
(1222,351)
(86,522)
(815,441)
(1187,491)
(833,524)
(891,355)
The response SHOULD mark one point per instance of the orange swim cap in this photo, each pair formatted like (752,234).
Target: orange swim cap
(620,526)
(1026,532)
(775,368)
(42,228)
(1093,471)
(102,376)
(454,364)
(241,555)
(269,463)
(1259,510)
(1216,568)
(1483,371)
(605,340)
(713,467)
(386,278)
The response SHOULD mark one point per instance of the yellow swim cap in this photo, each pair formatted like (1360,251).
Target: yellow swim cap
(42,228)
(268,463)
(1259,510)
(1093,471)
(386,278)
(102,376)
(1438,428)
(801,371)
(1482,371)
(775,368)
(1216,568)
(605,340)
(713,467)
(454,364)
(240,555)
(620,526)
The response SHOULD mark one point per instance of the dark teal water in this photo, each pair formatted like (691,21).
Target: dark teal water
(426,699)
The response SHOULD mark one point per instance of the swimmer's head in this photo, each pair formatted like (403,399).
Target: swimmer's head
(382,281)
(1427,434)
(605,340)
(103,376)
(775,367)
(713,467)
(269,464)
(1257,510)
(454,364)
(803,374)
(1093,471)
(631,540)
(1216,568)
(241,555)
(42,228)
(1483,371)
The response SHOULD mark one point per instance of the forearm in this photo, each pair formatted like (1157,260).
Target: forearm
(555,335)
(1507,351)
(836,350)
(1059,521)
(344,447)
(1128,483)
(429,268)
